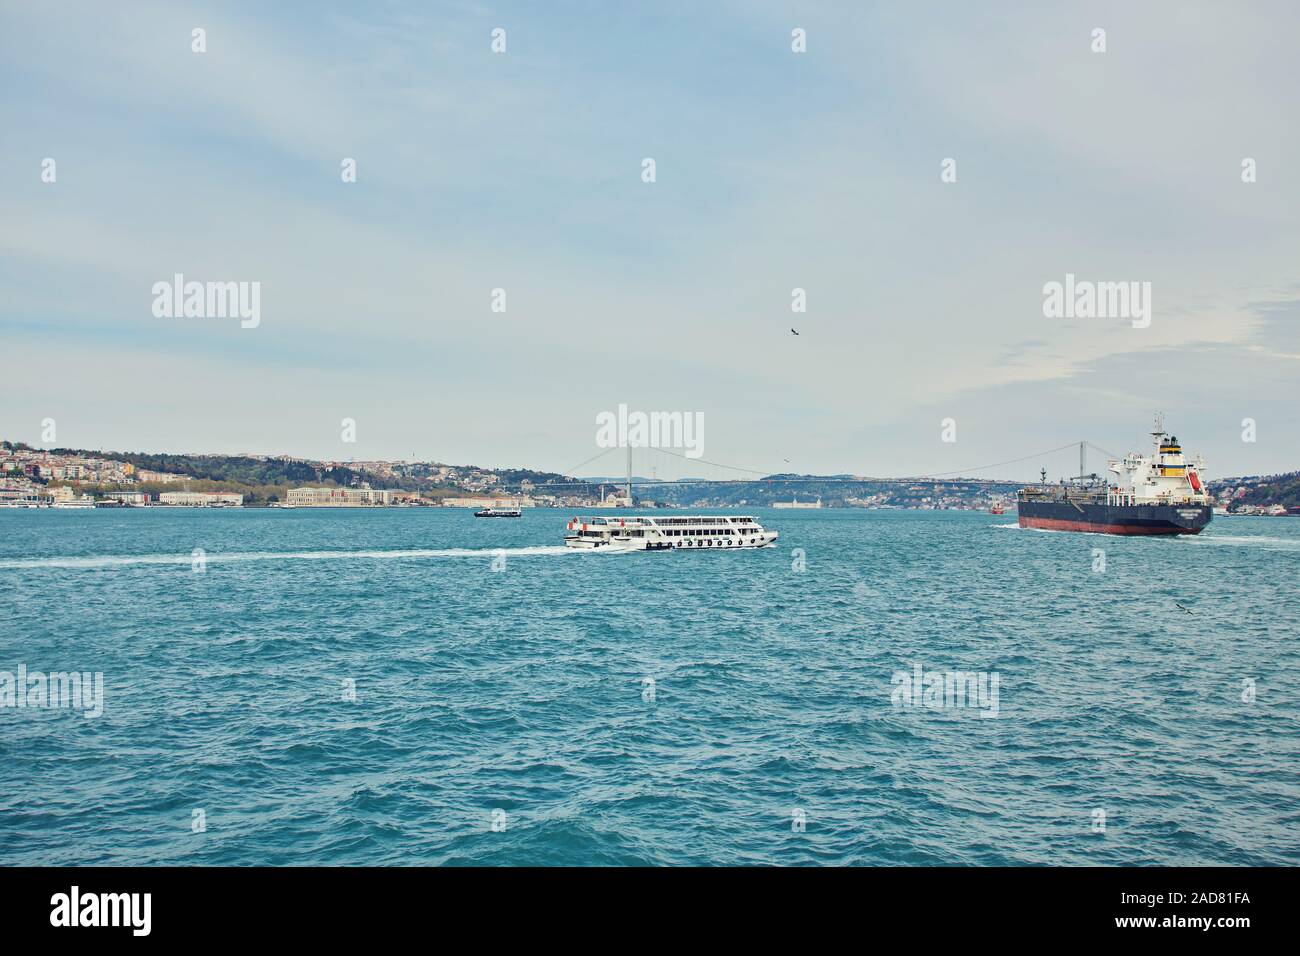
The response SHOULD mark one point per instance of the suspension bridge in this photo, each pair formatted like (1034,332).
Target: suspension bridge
(640,465)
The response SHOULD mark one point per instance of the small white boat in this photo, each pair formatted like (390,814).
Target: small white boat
(690,533)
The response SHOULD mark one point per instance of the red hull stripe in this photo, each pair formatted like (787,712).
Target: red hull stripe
(1060,524)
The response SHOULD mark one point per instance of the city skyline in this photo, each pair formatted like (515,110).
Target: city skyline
(1062,464)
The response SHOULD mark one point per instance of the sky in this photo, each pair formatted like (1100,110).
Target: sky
(774,170)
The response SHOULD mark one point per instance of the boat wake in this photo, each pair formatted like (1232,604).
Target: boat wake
(215,557)
(1250,541)
(1017,527)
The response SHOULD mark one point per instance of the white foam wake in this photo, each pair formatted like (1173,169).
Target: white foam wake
(216,557)
(1250,541)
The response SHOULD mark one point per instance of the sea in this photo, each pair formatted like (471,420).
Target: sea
(420,687)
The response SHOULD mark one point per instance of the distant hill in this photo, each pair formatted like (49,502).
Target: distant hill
(249,471)
(1264,490)
(833,490)
(266,479)
(263,480)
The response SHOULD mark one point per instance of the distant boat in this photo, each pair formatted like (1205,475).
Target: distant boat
(498,513)
(997,509)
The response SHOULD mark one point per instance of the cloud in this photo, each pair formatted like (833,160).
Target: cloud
(818,171)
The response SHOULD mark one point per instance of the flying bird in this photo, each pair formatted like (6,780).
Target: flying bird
(1180,607)
(796,333)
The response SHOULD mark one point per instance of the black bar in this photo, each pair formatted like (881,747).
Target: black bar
(944,906)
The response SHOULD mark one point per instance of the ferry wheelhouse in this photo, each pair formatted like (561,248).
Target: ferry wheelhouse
(691,533)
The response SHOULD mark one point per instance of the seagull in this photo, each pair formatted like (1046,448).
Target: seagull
(796,333)
(1180,607)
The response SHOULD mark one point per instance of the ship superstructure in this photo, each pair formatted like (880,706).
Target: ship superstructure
(1160,493)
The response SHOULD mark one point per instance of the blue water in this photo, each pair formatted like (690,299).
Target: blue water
(524,690)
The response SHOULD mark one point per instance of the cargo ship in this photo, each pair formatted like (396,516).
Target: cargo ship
(1149,494)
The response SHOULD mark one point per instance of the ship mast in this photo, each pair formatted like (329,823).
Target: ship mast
(1083,462)
(1159,430)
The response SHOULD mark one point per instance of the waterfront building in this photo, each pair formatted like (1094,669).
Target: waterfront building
(128,497)
(341,497)
(523,501)
(200,499)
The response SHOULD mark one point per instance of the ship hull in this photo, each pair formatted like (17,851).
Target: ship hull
(1114,519)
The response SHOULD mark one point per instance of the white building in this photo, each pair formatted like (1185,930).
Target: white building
(200,499)
(340,497)
(129,497)
(521,502)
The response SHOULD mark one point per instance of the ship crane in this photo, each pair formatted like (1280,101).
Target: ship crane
(1084,474)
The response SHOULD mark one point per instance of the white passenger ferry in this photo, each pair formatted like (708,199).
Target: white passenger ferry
(646,533)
